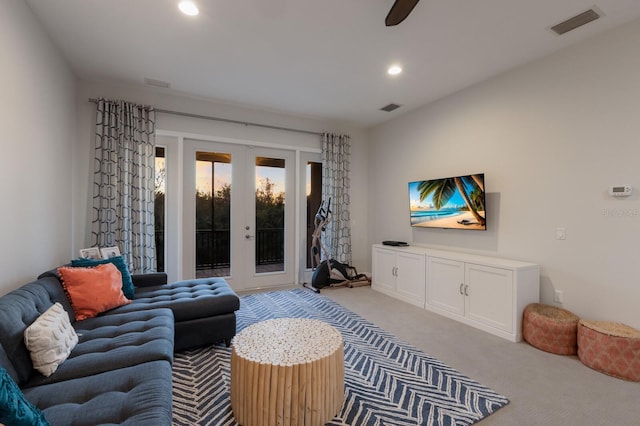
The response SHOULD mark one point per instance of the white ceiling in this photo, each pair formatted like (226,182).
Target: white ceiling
(318,58)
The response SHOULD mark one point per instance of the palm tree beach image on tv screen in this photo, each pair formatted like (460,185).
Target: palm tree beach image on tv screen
(454,203)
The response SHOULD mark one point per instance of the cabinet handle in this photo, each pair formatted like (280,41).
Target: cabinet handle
(395,271)
(461,284)
(465,290)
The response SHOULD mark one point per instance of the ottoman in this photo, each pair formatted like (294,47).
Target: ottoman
(611,348)
(550,328)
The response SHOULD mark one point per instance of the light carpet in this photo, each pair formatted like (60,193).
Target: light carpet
(387,382)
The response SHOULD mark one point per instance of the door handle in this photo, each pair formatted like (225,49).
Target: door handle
(248,236)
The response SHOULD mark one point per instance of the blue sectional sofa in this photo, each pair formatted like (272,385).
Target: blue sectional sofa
(119,372)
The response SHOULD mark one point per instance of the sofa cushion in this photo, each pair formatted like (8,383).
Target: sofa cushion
(6,364)
(191,299)
(136,395)
(53,286)
(93,290)
(149,279)
(18,309)
(118,261)
(50,339)
(113,341)
(14,408)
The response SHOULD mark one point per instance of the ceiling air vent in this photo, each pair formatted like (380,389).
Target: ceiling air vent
(156,83)
(390,107)
(575,22)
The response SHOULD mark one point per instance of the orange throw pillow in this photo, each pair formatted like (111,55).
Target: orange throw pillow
(93,290)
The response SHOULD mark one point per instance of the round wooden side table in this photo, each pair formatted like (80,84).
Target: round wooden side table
(287,371)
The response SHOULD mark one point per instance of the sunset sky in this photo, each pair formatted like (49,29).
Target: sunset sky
(223,175)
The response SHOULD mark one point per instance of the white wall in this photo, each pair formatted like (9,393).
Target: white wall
(37,121)
(551,137)
(166,122)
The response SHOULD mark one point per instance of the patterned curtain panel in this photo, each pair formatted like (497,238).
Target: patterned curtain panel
(123,184)
(335,186)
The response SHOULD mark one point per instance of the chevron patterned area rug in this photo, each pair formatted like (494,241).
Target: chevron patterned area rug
(387,382)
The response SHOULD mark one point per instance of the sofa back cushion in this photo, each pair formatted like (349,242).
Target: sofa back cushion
(6,364)
(18,309)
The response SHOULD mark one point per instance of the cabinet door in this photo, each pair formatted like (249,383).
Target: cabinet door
(384,268)
(446,284)
(490,296)
(410,277)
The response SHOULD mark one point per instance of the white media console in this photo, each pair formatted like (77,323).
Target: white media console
(484,292)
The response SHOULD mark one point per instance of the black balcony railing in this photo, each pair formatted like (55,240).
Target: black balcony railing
(213,248)
(160,251)
(269,246)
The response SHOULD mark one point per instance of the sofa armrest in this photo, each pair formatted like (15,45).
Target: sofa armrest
(149,280)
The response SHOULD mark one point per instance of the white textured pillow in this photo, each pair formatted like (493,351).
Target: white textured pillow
(50,339)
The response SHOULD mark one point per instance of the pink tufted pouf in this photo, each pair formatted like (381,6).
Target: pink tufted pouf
(611,348)
(550,328)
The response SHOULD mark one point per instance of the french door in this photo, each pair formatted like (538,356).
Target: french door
(238,219)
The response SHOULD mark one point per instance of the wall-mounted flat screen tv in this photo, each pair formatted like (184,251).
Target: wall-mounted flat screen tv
(453,203)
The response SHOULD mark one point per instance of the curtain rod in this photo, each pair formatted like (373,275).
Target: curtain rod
(227,120)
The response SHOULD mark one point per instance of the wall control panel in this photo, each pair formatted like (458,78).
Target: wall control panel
(620,190)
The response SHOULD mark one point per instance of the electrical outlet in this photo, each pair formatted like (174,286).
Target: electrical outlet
(561,233)
(557,296)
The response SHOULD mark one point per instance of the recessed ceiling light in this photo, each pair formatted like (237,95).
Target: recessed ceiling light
(188,8)
(394,70)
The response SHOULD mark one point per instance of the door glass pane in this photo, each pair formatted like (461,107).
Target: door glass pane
(160,190)
(269,226)
(314,198)
(213,218)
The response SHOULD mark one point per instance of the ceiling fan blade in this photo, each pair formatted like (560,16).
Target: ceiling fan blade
(399,11)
